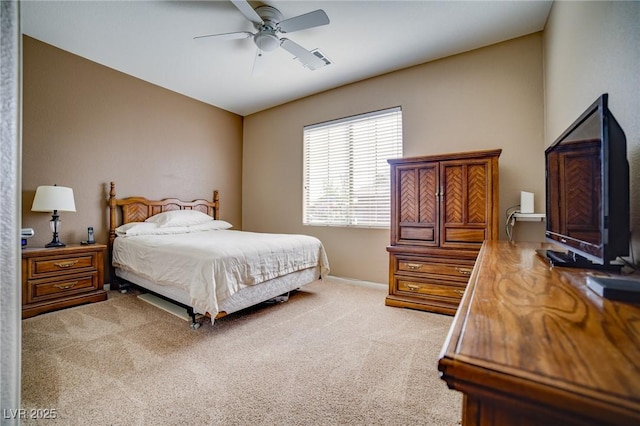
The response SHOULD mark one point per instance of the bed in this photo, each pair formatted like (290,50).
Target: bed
(183,252)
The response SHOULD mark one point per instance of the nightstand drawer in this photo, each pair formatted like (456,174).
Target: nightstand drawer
(47,289)
(40,267)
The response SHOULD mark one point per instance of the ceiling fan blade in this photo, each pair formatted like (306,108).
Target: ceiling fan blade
(307,58)
(227,36)
(247,11)
(302,22)
(258,64)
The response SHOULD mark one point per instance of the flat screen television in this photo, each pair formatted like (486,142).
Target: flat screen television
(587,192)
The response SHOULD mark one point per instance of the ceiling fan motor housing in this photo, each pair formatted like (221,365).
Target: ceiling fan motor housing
(266,38)
(270,16)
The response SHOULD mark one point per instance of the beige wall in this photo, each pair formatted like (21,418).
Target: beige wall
(592,48)
(85,125)
(484,99)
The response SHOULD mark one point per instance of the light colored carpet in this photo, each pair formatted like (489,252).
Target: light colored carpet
(332,355)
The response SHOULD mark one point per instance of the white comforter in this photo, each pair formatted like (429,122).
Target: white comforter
(213,265)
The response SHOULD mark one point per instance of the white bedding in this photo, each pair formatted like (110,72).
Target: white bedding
(213,265)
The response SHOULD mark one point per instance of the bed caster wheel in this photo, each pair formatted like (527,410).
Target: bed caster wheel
(195,325)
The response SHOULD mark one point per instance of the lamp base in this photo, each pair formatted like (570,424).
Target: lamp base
(55,244)
(55,226)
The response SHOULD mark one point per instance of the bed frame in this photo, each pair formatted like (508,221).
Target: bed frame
(137,209)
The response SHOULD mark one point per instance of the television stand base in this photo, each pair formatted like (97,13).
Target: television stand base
(564,260)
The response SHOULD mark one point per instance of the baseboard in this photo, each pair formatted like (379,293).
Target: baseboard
(360,283)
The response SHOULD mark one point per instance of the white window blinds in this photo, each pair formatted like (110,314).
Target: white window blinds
(346,174)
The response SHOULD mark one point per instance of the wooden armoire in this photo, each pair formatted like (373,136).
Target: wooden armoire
(442,208)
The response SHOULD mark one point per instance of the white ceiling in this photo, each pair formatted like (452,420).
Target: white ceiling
(153,40)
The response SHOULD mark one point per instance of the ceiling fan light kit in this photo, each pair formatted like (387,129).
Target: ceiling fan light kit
(268,23)
(266,42)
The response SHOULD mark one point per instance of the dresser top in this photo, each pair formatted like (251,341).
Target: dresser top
(527,330)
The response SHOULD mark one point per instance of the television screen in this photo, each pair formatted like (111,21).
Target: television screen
(587,196)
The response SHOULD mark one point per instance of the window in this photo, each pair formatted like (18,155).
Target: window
(346,175)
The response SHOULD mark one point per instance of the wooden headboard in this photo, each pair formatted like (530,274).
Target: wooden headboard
(137,209)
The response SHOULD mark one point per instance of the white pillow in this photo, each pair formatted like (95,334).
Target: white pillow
(134,228)
(213,225)
(179,218)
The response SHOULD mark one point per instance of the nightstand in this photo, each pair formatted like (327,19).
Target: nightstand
(56,278)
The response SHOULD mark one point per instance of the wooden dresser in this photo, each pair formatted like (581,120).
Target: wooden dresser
(442,208)
(533,345)
(56,278)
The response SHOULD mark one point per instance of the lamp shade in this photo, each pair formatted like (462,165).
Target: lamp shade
(51,198)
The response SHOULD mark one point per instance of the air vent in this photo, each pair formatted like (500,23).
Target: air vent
(321,55)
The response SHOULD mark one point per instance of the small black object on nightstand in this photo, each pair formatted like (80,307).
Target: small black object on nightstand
(90,239)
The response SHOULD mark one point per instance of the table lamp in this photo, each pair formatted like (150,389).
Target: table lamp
(53,199)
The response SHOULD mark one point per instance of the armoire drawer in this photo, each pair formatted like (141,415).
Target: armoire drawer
(459,270)
(430,288)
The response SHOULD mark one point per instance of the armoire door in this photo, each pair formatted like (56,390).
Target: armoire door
(416,201)
(465,207)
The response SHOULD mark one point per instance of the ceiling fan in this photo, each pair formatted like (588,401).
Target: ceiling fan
(269,23)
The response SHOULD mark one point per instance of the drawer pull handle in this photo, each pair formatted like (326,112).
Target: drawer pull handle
(413,266)
(460,292)
(464,271)
(413,287)
(66,264)
(66,286)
